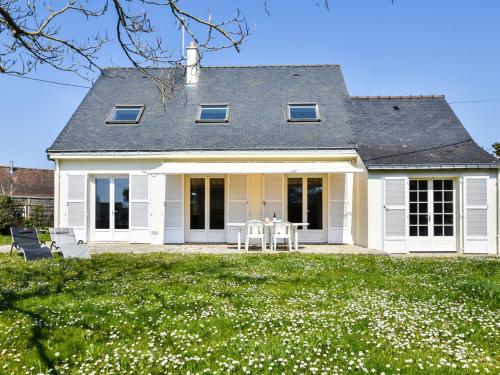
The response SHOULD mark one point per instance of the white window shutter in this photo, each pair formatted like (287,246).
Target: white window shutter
(139,208)
(237,204)
(339,228)
(476,214)
(174,209)
(395,192)
(76,205)
(273,196)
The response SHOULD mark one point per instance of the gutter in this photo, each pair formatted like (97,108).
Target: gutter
(173,150)
(492,165)
(203,153)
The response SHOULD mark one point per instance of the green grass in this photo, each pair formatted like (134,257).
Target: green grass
(6,239)
(286,313)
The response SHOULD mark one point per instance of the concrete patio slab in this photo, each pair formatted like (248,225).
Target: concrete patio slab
(98,248)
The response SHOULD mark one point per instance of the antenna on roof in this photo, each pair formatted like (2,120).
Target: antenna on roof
(183,36)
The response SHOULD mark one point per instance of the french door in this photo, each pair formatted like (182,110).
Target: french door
(206,209)
(432,215)
(305,205)
(111,209)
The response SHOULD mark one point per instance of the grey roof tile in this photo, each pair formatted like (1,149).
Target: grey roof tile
(423,130)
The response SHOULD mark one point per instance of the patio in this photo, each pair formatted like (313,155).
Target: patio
(98,248)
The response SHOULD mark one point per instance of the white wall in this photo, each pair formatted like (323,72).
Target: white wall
(375,203)
(107,167)
(360,210)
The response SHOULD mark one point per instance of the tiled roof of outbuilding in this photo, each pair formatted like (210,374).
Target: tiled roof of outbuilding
(27,182)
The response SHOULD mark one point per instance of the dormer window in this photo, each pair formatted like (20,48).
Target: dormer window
(213,113)
(303,112)
(126,114)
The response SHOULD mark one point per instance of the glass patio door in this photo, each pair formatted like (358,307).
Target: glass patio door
(305,205)
(431,215)
(111,208)
(207,209)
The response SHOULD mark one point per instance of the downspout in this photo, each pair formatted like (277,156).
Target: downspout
(57,180)
(461,223)
(498,211)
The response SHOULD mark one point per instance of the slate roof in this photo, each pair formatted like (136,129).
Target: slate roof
(424,130)
(411,130)
(27,182)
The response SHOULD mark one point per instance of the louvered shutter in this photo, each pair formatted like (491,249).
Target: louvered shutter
(476,214)
(139,208)
(273,196)
(77,205)
(395,223)
(340,206)
(174,209)
(237,204)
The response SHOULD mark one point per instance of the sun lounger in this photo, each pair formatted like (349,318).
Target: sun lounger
(63,240)
(26,241)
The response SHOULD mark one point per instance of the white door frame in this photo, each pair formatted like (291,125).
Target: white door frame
(431,242)
(110,234)
(207,234)
(306,234)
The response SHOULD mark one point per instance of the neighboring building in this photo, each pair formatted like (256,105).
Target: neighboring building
(28,187)
(237,143)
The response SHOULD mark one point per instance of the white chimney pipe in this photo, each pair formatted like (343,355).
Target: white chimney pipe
(192,64)
(11,167)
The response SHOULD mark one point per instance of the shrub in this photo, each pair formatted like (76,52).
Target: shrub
(7,213)
(38,218)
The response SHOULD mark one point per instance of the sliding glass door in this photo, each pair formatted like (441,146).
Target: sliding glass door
(111,209)
(206,209)
(305,205)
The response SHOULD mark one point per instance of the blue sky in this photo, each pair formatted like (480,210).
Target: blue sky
(449,47)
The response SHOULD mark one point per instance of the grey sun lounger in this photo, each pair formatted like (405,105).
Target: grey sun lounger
(63,239)
(26,241)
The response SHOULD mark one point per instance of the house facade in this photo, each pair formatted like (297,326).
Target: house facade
(400,174)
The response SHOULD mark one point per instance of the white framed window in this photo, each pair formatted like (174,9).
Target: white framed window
(213,113)
(126,114)
(303,112)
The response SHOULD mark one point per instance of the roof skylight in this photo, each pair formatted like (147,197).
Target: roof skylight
(126,114)
(306,112)
(214,113)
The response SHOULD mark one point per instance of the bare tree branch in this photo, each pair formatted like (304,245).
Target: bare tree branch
(32,34)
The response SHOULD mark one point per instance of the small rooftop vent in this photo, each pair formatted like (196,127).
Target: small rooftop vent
(395,107)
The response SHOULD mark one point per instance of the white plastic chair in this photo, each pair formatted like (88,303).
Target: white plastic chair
(282,230)
(255,230)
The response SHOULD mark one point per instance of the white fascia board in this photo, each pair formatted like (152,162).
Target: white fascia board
(342,154)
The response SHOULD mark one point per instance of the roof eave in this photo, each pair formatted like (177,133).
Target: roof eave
(492,165)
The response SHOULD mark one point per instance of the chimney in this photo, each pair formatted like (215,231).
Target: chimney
(11,167)
(192,64)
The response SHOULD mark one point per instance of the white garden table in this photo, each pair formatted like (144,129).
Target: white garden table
(268,226)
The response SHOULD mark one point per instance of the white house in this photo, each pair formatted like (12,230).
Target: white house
(400,174)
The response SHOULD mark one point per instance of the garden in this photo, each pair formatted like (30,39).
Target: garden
(249,314)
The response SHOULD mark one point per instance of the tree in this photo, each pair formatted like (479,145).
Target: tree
(496,148)
(38,217)
(32,34)
(7,213)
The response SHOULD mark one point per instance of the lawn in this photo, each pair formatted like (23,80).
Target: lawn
(286,313)
(6,239)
